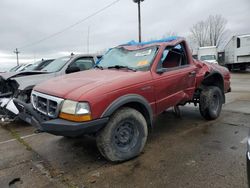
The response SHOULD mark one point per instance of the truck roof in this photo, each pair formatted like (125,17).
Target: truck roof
(82,55)
(133,45)
(239,36)
(244,35)
(207,47)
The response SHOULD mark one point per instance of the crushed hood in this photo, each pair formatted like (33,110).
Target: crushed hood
(32,80)
(8,75)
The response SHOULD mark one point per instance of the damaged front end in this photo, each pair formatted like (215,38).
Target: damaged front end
(18,86)
(7,87)
(8,90)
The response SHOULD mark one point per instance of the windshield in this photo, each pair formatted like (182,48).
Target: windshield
(33,66)
(14,68)
(20,68)
(56,65)
(136,59)
(25,67)
(208,57)
(38,65)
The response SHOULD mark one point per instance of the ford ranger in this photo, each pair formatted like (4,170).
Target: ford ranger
(118,100)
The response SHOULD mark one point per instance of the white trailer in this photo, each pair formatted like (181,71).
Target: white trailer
(208,53)
(237,52)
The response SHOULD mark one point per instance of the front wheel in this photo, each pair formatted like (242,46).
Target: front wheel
(211,99)
(124,136)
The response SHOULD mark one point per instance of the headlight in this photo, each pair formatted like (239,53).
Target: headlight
(82,108)
(75,111)
(69,107)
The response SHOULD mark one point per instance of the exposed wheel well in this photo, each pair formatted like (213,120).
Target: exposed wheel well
(142,109)
(214,79)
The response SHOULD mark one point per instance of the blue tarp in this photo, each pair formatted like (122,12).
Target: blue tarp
(168,39)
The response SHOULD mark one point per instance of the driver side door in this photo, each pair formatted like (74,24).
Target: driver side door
(173,84)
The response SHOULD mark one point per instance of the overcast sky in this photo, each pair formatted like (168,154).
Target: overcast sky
(24,22)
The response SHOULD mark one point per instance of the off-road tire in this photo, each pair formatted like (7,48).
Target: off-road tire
(211,99)
(124,136)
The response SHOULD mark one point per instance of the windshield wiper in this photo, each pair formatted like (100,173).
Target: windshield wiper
(122,67)
(99,67)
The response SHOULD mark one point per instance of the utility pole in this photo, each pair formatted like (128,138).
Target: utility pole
(139,17)
(17,52)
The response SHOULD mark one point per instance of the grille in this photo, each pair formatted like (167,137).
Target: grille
(46,104)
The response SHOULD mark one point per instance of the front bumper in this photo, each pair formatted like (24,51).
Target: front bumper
(58,126)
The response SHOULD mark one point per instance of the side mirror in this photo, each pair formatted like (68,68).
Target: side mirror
(160,71)
(72,69)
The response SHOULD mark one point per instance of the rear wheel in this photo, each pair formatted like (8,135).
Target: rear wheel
(211,100)
(124,136)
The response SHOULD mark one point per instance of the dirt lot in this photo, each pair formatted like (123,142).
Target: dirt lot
(180,152)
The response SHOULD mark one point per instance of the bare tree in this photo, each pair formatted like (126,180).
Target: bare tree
(192,43)
(209,32)
(216,29)
(199,32)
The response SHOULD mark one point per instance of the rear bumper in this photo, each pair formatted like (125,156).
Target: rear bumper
(58,126)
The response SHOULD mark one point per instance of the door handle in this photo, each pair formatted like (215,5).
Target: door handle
(193,73)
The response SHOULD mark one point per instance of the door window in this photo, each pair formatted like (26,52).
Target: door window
(173,57)
(83,63)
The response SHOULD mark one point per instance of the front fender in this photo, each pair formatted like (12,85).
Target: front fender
(126,99)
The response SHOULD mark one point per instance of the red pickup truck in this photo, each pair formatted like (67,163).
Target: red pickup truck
(118,100)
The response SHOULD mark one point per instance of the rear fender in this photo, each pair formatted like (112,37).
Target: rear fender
(214,78)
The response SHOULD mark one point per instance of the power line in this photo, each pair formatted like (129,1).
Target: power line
(70,26)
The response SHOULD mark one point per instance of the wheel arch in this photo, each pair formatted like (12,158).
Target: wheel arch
(214,79)
(134,101)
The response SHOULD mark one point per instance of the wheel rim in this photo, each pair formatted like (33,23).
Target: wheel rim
(126,135)
(215,103)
